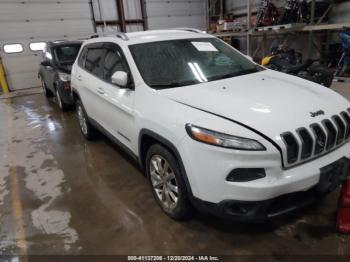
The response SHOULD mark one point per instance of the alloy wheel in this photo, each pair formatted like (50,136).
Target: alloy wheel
(164,182)
(82,120)
(59,99)
(43,87)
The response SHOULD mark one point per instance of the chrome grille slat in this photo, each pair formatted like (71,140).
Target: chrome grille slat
(317,139)
(292,147)
(346,119)
(321,138)
(341,129)
(307,142)
(331,133)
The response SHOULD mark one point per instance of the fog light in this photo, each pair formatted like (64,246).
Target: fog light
(246,174)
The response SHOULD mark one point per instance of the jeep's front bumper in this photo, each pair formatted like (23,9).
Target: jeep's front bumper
(207,168)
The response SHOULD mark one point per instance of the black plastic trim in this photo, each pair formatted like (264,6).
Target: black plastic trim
(173,148)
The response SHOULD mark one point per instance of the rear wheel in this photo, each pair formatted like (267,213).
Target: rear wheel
(47,91)
(88,131)
(167,183)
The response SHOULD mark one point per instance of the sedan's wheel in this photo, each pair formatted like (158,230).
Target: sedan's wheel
(47,92)
(86,128)
(63,106)
(164,182)
(59,100)
(167,183)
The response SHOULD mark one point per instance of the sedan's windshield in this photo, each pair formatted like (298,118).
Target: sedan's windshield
(65,55)
(183,62)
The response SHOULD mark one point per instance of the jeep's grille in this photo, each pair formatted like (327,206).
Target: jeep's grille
(317,139)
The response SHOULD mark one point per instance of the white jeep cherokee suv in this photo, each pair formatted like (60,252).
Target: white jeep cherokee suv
(211,128)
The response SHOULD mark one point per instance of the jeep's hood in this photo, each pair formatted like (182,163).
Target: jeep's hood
(268,101)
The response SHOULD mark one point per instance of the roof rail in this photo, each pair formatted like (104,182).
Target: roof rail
(122,36)
(194,30)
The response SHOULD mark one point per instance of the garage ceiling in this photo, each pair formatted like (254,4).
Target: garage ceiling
(25,22)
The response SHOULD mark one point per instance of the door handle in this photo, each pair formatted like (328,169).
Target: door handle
(100,91)
(79,78)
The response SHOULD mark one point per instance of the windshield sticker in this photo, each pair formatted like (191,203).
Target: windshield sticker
(204,46)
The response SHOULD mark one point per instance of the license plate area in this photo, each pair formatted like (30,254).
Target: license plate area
(333,175)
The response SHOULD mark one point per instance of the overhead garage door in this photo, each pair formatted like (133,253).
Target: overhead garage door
(34,21)
(176,13)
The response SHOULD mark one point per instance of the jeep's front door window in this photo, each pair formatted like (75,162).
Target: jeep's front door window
(113,63)
(183,62)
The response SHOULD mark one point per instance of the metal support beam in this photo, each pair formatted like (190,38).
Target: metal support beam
(121,14)
(249,9)
(143,14)
(311,34)
(93,16)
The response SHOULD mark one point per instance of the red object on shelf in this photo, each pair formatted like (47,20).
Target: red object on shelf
(343,213)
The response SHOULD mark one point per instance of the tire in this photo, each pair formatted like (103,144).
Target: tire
(88,130)
(47,91)
(62,105)
(165,182)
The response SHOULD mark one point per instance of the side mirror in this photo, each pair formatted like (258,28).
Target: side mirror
(45,63)
(120,78)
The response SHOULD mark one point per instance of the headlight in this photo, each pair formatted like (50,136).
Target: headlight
(219,139)
(64,77)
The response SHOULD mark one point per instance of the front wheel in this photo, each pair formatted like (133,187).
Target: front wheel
(167,183)
(62,105)
(88,131)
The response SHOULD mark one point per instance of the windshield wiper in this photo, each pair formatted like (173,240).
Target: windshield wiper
(239,73)
(173,84)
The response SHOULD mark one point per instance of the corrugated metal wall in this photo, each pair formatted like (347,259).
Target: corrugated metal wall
(159,14)
(178,13)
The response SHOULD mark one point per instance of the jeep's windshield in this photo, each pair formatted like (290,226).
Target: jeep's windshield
(176,63)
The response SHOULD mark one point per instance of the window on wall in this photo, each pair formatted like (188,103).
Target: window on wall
(37,46)
(13,48)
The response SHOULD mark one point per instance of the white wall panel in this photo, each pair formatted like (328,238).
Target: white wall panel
(177,13)
(132,9)
(105,10)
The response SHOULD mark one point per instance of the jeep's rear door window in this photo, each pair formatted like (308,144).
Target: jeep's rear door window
(94,61)
(183,62)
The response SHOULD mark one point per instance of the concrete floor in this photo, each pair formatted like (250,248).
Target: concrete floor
(60,194)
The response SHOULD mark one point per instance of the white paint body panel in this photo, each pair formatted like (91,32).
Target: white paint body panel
(269,102)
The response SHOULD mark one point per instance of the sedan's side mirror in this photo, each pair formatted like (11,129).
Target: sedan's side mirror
(120,78)
(45,63)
